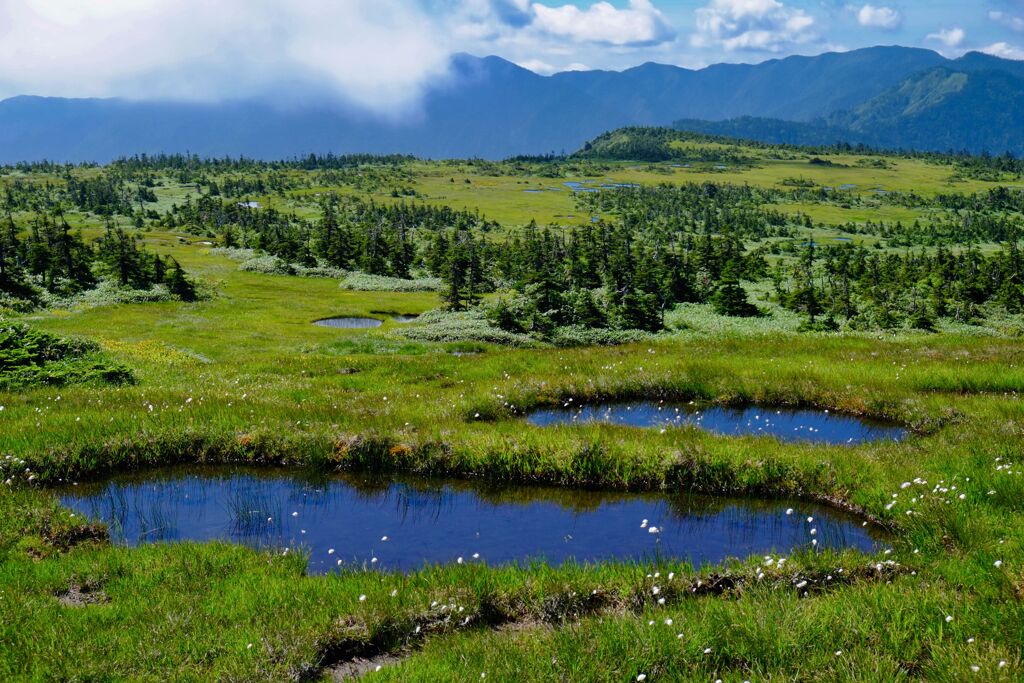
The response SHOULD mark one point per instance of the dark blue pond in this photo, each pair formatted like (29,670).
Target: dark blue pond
(427,521)
(785,424)
(349,323)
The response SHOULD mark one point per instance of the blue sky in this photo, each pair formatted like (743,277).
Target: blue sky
(699,32)
(381,54)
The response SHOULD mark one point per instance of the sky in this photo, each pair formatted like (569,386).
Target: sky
(382,54)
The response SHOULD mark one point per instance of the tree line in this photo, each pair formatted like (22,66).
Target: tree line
(48,257)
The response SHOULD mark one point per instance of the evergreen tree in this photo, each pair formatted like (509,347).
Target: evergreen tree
(730,298)
(179,285)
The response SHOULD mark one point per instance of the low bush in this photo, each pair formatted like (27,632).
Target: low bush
(473,325)
(32,358)
(365,282)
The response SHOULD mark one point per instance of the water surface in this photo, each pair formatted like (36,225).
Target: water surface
(432,521)
(785,424)
(349,323)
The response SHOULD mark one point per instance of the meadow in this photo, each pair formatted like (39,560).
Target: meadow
(243,377)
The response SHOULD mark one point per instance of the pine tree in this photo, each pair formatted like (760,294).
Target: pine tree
(179,285)
(730,298)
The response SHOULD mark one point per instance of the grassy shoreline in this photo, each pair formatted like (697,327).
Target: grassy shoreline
(344,421)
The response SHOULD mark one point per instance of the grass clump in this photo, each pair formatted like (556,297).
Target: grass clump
(272,265)
(365,282)
(268,264)
(32,358)
(463,326)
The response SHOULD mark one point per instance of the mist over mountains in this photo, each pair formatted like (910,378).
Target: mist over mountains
(488,107)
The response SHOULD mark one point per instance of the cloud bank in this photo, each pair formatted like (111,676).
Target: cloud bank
(378,54)
(375,53)
(382,55)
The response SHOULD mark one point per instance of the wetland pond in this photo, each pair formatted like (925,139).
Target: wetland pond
(358,323)
(404,523)
(349,323)
(785,424)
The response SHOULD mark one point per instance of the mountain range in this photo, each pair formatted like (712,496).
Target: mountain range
(488,107)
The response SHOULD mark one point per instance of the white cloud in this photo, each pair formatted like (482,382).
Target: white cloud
(950,37)
(1004,50)
(641,23)
(1010,21)
(538,66)
(766,25)
(376,53)
(541,67)
(884,18)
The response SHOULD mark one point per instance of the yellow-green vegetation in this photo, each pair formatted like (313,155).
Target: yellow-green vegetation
(243,376)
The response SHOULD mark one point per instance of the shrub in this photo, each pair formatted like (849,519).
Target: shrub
(472,325)
(365,282)
(252,262)
(32,358)
(577,335)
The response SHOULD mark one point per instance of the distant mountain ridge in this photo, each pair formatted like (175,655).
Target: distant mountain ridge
(491,108)
(937,110)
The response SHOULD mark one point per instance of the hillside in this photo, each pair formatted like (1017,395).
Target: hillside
(938,110)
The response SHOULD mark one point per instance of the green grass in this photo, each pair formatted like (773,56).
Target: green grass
(246,377)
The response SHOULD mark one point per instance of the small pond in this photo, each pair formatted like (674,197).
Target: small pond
(785,424)
(349,323)
(407,522)
(576,186)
